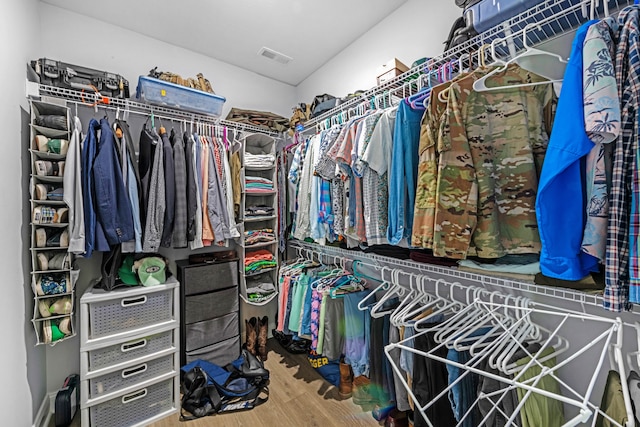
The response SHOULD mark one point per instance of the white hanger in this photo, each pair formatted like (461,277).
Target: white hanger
(413,297)
(524,61)
(384,286)
(396,290)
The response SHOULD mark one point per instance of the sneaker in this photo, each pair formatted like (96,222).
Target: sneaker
(52,238)
(49,168)
(51,332)
(65,326)
(44,215)
(43,262)
(43,308)
(61,306)
(53,284)
(50,145)
(52,121)
(49,215)
(59,261)
(49,192)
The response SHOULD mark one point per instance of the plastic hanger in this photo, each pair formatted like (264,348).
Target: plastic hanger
(440,306)
(524,58)
(396,290)
(384,286)
(408,311)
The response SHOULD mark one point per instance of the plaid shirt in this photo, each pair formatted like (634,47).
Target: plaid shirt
(627,65)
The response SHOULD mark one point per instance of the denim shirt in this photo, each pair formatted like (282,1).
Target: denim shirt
(403,173)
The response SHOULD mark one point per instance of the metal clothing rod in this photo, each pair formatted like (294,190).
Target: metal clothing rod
(561,16)
(378,261)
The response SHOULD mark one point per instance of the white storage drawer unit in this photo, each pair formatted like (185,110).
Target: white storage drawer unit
(129,355)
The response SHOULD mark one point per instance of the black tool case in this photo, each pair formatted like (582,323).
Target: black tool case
(69,76)
(67,401)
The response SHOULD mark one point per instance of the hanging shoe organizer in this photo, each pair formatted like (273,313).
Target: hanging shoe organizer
(52,275)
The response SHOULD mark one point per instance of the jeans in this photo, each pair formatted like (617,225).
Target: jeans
(403,173)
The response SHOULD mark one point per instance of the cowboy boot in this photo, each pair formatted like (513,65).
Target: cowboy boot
(263,325)
(251,334)
(346,381)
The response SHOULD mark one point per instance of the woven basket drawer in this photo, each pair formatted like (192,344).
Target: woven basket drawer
(208,332)
(134,374)
(130,350)
(130,313)
(209,306)
(134,407)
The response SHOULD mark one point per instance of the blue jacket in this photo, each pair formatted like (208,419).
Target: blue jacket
(95,239)
(560,204)
(113,209)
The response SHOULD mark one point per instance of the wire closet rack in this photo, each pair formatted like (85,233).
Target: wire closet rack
(336,255)
(556,18)
(92,99)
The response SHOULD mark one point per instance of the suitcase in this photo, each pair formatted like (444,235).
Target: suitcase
(67,401)
(486,14)
(68,76)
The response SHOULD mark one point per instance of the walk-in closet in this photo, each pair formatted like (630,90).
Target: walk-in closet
(397,213)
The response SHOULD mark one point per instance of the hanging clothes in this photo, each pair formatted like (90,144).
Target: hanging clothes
(169,190)
(179,237)
(560,204)
(73,193)
(156,204)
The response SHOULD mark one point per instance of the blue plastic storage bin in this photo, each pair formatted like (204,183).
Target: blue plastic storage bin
(159,92)
(489,13)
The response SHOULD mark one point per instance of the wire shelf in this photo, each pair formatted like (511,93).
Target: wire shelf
(557,17)
(453,274)
(89,99)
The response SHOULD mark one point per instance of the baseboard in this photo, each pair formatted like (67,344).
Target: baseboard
(43,416)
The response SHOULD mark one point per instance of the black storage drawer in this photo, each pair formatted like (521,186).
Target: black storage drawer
(208,306)
(209,315)
(200,278)
(220,353)
(212,331)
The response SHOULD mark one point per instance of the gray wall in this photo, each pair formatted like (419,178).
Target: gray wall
(24,364)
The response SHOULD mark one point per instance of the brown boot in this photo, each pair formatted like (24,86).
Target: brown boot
(263,327)
(251,334)
(346,380)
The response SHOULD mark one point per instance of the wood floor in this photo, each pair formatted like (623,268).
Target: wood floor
(298,397)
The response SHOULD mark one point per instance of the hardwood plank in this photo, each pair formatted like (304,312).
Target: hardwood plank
(299,397)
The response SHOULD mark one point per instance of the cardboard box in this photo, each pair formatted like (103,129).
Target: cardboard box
(390,70)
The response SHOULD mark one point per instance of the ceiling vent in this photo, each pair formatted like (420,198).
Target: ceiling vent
(275,56)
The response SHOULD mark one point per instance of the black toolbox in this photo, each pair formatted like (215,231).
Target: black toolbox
(69,76)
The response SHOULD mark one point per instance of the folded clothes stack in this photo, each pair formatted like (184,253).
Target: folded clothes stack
(260,288)
(259,210)
(251,237)
(256,184)
(259,160)
(256,261)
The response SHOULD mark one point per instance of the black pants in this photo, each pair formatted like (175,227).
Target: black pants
(430,378)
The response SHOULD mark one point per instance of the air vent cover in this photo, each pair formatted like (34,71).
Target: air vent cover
(275,56)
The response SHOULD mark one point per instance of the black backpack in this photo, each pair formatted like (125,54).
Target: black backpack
(209,389)
(460,32)
(466,3)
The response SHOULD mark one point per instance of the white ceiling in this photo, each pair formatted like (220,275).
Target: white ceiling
(233,31)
